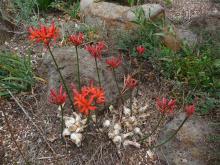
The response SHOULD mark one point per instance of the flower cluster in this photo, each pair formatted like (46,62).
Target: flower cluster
(76,39)
(96,49)
(44,34)
(114,62)
(140,49)
(88,98)
(165,105)
(58,98)
(130,82)
(190,109)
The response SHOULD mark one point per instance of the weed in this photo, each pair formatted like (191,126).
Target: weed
(15,73)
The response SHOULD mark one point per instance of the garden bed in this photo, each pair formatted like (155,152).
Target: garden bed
(161,73)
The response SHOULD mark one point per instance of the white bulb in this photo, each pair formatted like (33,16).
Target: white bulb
(66,132)
(137,131)
(106,124)
(69,121)
(144,108)
(124,136)
(117,126)
(126,111)
(77,116)
(117,140)
(76,138)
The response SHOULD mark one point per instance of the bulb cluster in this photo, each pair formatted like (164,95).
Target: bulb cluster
(74,128)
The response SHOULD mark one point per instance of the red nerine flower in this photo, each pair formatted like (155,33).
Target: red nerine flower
(190,109)
(114,62)
(166,106)
(77,39)
(97,94)
(88,98)
(83,104)
(96,49)
(58,98)
(44,34)
(140,49)
(130,82)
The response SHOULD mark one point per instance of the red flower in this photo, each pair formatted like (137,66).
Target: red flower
(44,34)
(96,49)
(166,106)
(140,49)
(58,98)
(96,93)
(114,62)
(84,105)
(130,82)
(77,39)
(190,109)
(88,97)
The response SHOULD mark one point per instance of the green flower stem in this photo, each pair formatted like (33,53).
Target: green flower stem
(172,136)
(78,71)
(62,122)
(61,76)
(139,80)
(13,138)
(97,70)
(119,92)
(131,100)
(154,130)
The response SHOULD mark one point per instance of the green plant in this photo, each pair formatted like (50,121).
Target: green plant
(24,10)
(131,2)
(190,67)
(205,101)
(70,7)
(15,74)
(44,4)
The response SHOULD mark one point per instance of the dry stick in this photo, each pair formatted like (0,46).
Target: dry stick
(13,138)
(27,115)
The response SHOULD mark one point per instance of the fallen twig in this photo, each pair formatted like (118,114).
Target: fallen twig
(27,115)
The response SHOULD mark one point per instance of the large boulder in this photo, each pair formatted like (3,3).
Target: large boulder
(113,16)
(66,59)
(190,145)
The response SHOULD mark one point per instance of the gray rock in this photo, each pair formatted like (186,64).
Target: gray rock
(66,59)
(187,36)
(189,147)
(113,16)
